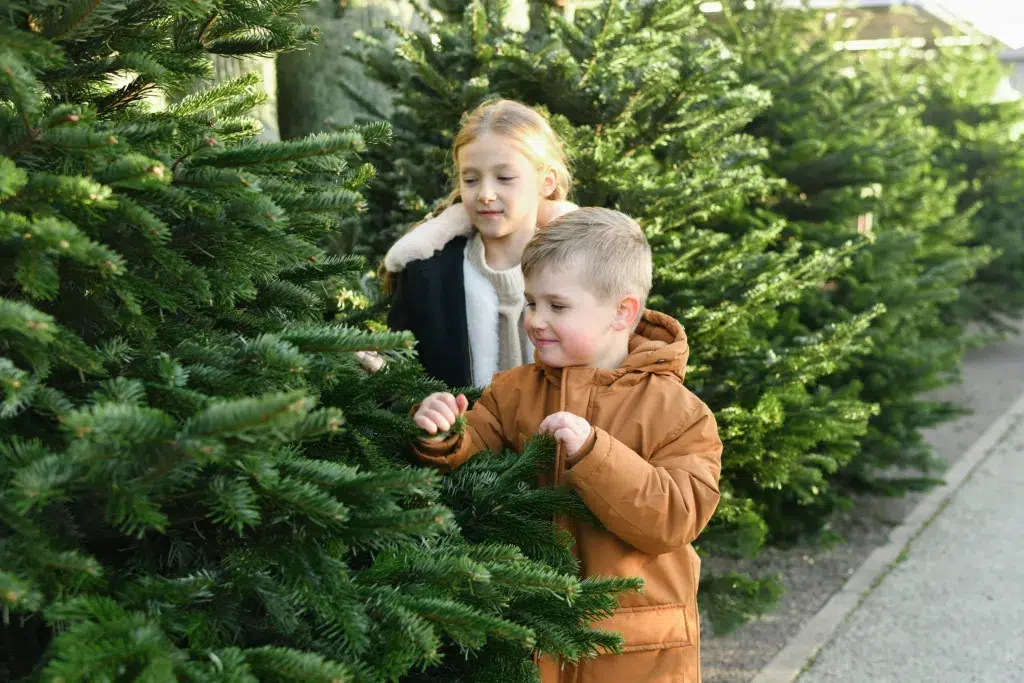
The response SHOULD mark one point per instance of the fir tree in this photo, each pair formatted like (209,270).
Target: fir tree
(957,92)
(197,480)
(858,166)
(652,109)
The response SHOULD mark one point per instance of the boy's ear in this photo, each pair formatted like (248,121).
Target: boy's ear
(627,313)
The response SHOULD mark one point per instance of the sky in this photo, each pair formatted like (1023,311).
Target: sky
(1003,19)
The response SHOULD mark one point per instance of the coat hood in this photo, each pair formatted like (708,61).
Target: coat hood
(658,346)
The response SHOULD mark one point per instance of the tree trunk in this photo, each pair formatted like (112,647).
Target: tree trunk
(232,67)
(311,83)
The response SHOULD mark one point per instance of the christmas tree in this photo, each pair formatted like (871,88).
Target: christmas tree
(957,90)
(652,108)
(198,481)
(859,166)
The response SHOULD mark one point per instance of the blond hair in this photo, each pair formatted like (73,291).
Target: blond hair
(523,126)
(609,247)
(527,129)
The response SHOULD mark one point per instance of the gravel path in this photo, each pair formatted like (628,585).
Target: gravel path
(993,377)
(953,609)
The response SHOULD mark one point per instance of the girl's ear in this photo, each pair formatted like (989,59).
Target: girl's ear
(548,183)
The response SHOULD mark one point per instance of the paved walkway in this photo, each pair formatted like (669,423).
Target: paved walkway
(952,611)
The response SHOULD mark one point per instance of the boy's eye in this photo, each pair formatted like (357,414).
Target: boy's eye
(530,304)
(468,181)
(558,307)
(506,178)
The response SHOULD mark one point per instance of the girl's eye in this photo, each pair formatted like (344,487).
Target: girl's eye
(468,181)
(530,304)
(506,179)
(557,307)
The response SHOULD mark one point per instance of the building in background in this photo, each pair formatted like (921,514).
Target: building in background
(1015,58)
(887,24)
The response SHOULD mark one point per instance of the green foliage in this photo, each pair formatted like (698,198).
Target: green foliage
(978,147)
(197,479)
(859,166)
(523,559)
(663,140)
(736,598)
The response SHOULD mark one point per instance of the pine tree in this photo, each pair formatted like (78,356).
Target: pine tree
(957,91)
(858,165)
(197,480)
(652,109)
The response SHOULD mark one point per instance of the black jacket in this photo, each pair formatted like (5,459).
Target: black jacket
(429,300)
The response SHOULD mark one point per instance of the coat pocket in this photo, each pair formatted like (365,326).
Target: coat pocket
(651,627)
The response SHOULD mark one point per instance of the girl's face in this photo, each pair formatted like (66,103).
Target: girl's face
(500,187)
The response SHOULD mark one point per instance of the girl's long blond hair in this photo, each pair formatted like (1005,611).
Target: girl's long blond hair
(530,132)
(523,126)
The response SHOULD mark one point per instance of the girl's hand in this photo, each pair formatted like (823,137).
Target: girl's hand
(439,411)
(371,361)
(550,209)
(572,431)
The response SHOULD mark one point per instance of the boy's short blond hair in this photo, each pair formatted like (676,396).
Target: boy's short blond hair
(609,247)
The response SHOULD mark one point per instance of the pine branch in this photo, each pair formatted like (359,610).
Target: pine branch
(111,424)
(283,152)
(341,339)
(334,201)
(18,595)
(27,322)
(18,84)
(465,625)
(234,504)
(323,268)
(280,664)
(17,389)
(12,180)
(381,529)
(213,178)
(66,19)
(236,418)
(216,98)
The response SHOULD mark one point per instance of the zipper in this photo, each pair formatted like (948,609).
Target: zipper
(558,475)
(559,460)
(469,345)
(561,409)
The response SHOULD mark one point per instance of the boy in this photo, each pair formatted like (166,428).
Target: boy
(642,451)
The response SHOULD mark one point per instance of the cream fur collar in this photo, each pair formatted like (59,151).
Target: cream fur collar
(431,235)
(428,237)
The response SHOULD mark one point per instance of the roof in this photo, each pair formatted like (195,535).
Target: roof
(916,21)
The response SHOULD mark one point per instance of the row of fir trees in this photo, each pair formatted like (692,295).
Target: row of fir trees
(198,482)
(825,223)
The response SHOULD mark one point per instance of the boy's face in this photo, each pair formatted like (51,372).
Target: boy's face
(570,326)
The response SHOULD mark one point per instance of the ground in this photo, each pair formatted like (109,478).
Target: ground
(993,378)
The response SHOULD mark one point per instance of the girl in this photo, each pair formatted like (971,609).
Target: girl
(456,280)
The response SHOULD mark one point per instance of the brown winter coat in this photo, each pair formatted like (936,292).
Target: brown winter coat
(650,475)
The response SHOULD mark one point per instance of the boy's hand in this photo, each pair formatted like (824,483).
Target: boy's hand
(439,411)
(572,431)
